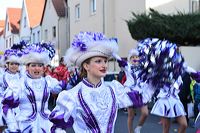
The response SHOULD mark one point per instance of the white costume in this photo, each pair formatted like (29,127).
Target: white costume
(133,82)
(31,96)
(91,108)
(7,78)
(168,103)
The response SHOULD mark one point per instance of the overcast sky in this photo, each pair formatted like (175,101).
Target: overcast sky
(8,3)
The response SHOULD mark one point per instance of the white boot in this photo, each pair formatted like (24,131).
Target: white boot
(137,129)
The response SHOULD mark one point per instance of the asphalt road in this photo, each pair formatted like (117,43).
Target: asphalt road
(151,125)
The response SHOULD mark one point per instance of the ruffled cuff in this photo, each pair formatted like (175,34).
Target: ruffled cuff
(122,63)
(9,103)
(59,122)
(136,98)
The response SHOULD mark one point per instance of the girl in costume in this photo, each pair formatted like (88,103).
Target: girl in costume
(91,106)
(132,69)
(11,75)
(163,68)
(32,93)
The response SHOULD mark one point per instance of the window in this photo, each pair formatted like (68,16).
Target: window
(6,43)
(24,22)
(33,37)
(46,34)
(77,12)
(54,31)
(8,26)
(10,43)
(93,7)
(38,36)
(194,6)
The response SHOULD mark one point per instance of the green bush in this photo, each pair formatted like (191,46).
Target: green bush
(182,29)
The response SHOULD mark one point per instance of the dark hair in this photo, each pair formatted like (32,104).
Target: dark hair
(83,72)
(61,60)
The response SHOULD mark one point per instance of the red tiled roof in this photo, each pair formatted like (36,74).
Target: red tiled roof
(59,6)
(1,32)
(2,22)
(35,9)
(14,15)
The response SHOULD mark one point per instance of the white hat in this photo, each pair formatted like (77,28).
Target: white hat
(38,53)
(133,52)
(12,55)
(15,53)
(88,44)
(2,61)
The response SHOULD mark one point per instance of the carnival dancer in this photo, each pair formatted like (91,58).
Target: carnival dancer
(2,64)
(91,106)
(11,74)
(2,70)
(163,68)
(32,93)
(132,69)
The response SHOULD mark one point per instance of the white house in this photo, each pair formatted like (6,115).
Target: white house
(11,30)
(2,23)
(30,29)
(55,26)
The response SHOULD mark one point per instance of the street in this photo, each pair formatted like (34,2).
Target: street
(151,125)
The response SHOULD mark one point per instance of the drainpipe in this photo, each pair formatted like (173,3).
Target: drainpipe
(103,16)
(58,38)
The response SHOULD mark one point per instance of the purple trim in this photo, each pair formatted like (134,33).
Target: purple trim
(63,84)
(88,117)
(44,100)
(32,100)
(136,98)
(43,130)
(5,82)
(9,103)
(175,110)
(87,83)
(59,122)
(28,127)
(28,75)
(113,113)
(166,111)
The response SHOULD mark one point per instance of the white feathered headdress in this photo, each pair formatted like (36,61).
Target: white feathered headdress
(86,45)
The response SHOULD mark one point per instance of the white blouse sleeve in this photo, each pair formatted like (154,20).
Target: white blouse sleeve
(11,101)
(53,84)
(126,97)
(61,115)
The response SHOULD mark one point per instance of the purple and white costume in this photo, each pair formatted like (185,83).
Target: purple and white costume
(31,96)
(7,79)
(92,108)
(168,103)
(133,82)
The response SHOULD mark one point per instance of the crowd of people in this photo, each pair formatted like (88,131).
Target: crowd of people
(79,96)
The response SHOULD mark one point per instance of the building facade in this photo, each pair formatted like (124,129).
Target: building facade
(107,16)
(55,27)
(11,28)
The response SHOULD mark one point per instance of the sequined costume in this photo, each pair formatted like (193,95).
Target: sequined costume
(92,108)
(31,96)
